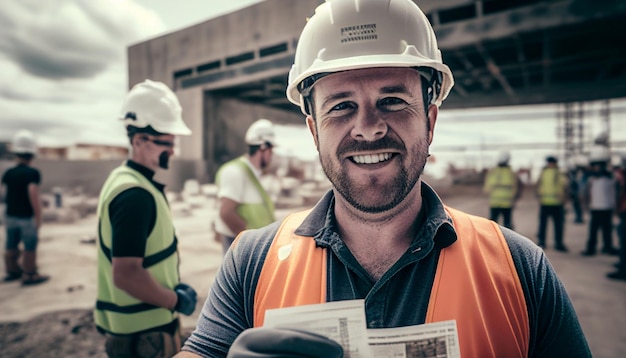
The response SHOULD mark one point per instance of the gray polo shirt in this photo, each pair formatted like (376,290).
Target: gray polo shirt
(399,298)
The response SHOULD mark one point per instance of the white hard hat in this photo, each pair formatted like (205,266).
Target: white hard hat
(599,153)
(349,34)
(580,160)
(24,143)
(260,132)
(504,157)
(153,104)
(616,161)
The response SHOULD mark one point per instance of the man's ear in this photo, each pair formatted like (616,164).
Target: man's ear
(310,123)
(433,112)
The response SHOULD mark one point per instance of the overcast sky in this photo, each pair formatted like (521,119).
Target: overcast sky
(64,69)
(64,76)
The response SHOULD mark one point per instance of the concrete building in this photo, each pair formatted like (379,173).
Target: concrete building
(231,70)
(253,45)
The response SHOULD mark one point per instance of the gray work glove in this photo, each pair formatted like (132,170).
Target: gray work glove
(187,299)
(283,343)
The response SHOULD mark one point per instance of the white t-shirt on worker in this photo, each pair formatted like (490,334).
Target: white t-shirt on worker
(235,184)
(602,193)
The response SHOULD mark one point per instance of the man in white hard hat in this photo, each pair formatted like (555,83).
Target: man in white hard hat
(600,196)
(243,203)
(370,78)
(503,187)
(140,294)
(20,184)
(551,191)
(620,176)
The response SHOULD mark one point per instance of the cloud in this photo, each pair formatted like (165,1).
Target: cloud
(60,39)
(64,69)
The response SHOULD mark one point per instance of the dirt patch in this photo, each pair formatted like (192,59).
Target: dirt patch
(67,334)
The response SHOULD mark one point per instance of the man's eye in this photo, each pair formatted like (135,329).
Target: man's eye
(392,103)
(341,107)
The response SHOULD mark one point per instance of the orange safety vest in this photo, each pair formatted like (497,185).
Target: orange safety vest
(476,284)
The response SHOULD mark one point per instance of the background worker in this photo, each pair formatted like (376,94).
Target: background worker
(139,288)
(503,187)
(601,198)
(620,177)
(20,186)
(551,189)
(577,179)
(369,77)
(243,203)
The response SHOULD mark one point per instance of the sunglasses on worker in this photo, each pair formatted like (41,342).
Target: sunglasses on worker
(162,143)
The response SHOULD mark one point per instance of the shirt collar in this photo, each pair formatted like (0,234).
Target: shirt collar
(146,172)
(436,229)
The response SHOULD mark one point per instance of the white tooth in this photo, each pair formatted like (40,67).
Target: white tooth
(371,159)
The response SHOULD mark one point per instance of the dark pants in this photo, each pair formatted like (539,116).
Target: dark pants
(600,220)
(578,211)
(622,242)
(495,214)
(555,212)
(144,345)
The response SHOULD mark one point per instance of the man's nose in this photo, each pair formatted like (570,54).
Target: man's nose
(369,127)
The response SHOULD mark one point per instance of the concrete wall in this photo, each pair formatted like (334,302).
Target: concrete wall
(88,176)
(258,26)
(227,122)
(192,147)
(218,125)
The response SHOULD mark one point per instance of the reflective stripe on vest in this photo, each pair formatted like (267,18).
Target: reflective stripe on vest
(116,311)
(476,284)
(501,184)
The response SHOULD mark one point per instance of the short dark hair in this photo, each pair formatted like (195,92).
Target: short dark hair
(25,156)
(252,149)
(132,130)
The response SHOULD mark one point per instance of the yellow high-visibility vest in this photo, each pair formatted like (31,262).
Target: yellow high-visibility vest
(551,186)
(501,185)
(116,311)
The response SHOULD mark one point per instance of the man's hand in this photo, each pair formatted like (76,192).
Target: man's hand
(283,342)
(187,299)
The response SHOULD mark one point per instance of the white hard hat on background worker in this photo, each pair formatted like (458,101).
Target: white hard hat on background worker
(24,143)
(261,132)
(153,104)
(504,157)
(599,154)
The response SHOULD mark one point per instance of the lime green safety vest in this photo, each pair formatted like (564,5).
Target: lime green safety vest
(255,215)
(501,185)
(551,186)
(116,311)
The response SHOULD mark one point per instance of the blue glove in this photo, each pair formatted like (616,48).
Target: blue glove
(282,343)
(187,299)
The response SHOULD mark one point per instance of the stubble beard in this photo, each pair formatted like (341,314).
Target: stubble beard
(393,192)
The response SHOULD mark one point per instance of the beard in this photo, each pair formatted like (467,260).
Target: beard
(392,192)
(164,160)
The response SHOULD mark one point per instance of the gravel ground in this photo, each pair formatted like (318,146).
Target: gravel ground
(67,334)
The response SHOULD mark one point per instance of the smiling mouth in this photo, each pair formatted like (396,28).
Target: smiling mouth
(371,158)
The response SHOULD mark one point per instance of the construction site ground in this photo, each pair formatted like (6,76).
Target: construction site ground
(54,319)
